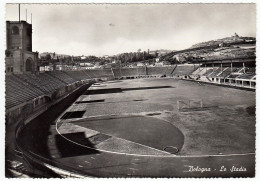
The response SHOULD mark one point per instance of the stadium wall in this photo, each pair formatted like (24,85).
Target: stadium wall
(36,159)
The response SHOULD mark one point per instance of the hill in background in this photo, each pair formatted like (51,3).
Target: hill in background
(225,48)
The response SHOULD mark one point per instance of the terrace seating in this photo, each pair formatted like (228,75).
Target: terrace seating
(90,74)
(99,73)
(156,70)
(62,77)
(33,80)
(117,72)
(250,70)
(209,71)
(79,75)
(45,82)
(236,69)
(216,72)
(232,76)
(19,91)
(226,72)
(203,71)
(21,88)
(245,76)
(181,70)
(169,70)
(249,73)
(141,71)
(197,71)
(129,72)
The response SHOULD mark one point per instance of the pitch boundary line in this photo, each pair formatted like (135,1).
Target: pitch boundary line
(163,156)
(140,145)
(112,151)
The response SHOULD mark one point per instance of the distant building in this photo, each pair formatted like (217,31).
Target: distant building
(44,67)
(139,64)
(86,64)
(83,57)
(159,64)
(19,56)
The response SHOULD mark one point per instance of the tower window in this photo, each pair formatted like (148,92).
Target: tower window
(29,65)
(15,30)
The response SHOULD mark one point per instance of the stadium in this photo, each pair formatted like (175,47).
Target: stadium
(180,120)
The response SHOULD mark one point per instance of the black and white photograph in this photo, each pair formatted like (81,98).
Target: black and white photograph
(114,90)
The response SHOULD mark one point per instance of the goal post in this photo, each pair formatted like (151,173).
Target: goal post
(189,104)
(182,104)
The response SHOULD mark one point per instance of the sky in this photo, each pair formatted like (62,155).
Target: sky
(109,29)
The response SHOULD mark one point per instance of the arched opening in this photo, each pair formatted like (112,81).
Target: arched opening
(15,30)
(29,65)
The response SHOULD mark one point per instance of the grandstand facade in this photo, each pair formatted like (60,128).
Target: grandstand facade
(239,72)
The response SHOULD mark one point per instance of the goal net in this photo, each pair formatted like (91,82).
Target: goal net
(189,104)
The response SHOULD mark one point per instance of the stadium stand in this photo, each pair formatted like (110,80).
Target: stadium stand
(156,70)
(19,91)
(209,71)
(141,71)
(203,71)
(181,70)
(197,71)
(44,81)
(100,73)
(79,75)
(250,70)
(170,70)
(245,76)
(129,72)
(237,76)
(237,69)
(62,77)
(117,72)
(226,72)
(21,88)
(232,76)
(90,73)
(216,72)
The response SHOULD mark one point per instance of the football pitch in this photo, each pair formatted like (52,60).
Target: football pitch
(135,128)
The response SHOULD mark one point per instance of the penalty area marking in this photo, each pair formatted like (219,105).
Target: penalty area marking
(112,151)
(170,155)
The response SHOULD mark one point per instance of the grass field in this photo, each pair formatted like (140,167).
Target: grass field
(225,125)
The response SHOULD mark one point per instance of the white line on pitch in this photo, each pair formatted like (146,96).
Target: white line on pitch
(172,156)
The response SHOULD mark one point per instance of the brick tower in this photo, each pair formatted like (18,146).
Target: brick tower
(19,55)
